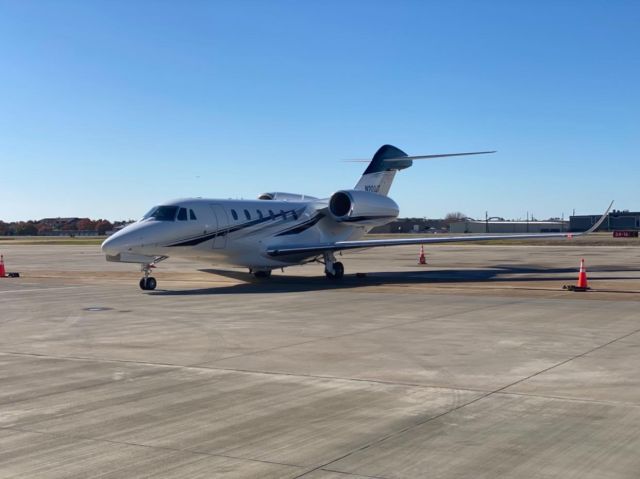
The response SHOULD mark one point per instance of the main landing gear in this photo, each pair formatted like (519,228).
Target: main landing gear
(332,269)
(262,274)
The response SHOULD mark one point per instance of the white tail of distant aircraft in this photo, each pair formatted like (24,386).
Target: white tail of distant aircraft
(279,229)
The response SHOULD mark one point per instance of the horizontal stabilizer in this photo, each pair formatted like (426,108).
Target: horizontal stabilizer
(426,157)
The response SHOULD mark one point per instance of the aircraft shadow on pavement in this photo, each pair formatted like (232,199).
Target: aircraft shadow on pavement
(290,283)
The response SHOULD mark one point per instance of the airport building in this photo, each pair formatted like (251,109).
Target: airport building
(412,225)
(616,220)
(492,226)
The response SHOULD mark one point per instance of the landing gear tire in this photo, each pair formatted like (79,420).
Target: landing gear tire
(148,284)
(262,274)
(338,271)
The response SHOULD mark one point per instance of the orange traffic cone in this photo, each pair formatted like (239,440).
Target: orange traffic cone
(582,277)
(422,259)
(3,273)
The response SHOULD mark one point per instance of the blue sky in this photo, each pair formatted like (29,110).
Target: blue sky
(110,107)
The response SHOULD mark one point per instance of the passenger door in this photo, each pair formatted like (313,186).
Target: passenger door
(219,213)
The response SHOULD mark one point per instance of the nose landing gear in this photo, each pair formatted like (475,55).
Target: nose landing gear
(149,283)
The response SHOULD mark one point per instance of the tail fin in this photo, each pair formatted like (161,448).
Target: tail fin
(378,176)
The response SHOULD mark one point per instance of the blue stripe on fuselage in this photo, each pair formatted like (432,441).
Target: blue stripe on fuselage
(232,229)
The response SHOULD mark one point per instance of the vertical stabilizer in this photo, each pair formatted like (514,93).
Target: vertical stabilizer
(378,176)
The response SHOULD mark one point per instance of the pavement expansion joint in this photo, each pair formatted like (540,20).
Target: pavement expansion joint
(342,378)
(348,474)
(172,367)
(461,406)
(199,367)
(147,446)
(577,356)
(390,435)
(569,399)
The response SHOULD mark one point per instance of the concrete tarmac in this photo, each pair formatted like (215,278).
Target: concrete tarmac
(477,364)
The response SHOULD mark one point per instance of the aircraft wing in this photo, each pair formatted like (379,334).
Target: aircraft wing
(310,249)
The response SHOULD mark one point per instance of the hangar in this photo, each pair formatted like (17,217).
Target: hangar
(492,226)
(616,220)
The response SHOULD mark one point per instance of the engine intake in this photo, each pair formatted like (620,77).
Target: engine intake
(340,204)
(362,207)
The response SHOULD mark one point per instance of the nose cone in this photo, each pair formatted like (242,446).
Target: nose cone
(124,241)
(137,238)
(114,244)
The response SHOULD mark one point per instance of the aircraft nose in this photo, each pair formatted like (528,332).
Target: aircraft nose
(123,241)
(131,239)
(113,245)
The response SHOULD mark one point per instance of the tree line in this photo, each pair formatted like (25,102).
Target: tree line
(51,226)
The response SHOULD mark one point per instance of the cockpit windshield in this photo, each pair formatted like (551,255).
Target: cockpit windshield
(162,213)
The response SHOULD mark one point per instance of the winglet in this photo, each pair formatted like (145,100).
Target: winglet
(600,221)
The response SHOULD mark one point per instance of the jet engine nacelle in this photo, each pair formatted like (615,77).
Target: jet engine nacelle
(363,207)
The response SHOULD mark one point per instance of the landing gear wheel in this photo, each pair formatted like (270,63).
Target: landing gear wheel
(262,274)
(148,284)
(338,271)
(151,283)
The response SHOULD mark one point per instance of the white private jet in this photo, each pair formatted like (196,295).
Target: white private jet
(279,229)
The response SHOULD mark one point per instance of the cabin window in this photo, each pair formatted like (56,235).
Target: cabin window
(260,215)
(192,215)
(234,214)
(162,213)
(271,215)
(182,214)
(247,215)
